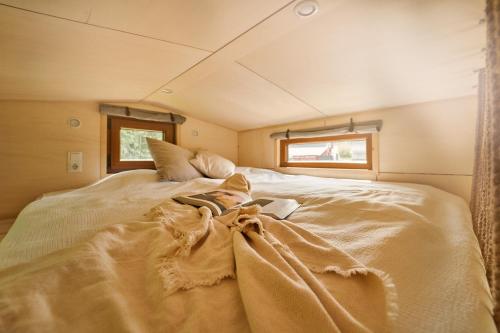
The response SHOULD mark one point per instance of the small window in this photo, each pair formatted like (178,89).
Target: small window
(343,151)
(127,145)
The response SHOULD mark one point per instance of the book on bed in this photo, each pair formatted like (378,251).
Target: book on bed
(221,202)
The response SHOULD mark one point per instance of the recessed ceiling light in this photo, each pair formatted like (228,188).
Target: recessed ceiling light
(167,91)
(306,8)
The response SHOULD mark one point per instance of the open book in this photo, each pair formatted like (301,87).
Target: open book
(221,202)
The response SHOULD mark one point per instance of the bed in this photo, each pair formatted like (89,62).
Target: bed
(420,236)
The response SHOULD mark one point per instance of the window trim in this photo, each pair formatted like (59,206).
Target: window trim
(365,166)
(114,164)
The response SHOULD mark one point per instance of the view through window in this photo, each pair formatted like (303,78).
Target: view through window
(348,151)
(127,146)
(133,144)
(344,151)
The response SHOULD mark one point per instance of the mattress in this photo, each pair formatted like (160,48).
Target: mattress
(420,236)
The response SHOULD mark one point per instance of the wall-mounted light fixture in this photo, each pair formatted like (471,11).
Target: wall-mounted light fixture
(74,122)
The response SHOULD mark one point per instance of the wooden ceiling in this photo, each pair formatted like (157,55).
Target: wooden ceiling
(242,64)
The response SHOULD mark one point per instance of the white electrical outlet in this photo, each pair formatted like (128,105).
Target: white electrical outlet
(75,161)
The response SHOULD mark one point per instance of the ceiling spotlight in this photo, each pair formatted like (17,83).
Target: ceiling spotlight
(167,91)
(306,8)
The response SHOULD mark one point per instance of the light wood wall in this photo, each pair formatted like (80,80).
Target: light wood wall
(194,134)
(35,138)
(428,143)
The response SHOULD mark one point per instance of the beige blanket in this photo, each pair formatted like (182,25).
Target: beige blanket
(128,276)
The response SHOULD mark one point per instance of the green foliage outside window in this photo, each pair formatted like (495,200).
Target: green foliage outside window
(133,144)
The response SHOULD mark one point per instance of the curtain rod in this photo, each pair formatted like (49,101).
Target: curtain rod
(351,127)
(125,111)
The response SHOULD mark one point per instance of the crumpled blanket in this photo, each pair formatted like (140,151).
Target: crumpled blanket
(134,277)
(277,266)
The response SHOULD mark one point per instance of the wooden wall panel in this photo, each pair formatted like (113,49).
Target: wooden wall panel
(456,184)
(35,138)
(429,143)
(197,134)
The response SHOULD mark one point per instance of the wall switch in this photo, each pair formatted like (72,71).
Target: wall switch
(194,132)
(75,161)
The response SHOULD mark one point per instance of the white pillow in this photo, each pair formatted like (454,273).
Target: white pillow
(171,161)
(213,165)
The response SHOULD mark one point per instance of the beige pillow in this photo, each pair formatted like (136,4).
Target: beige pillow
(213,165)
(171,161)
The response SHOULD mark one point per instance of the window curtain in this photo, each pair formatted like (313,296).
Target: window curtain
(125,111)
(485,202)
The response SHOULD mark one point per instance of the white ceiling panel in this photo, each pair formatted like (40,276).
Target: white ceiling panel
(46,58)
(367,54)
(235,98)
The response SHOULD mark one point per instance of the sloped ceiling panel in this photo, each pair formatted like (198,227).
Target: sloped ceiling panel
(222,90)
(236,98)
(204,24)
(46,58)
(368,54)
(77,10)
(351,56)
